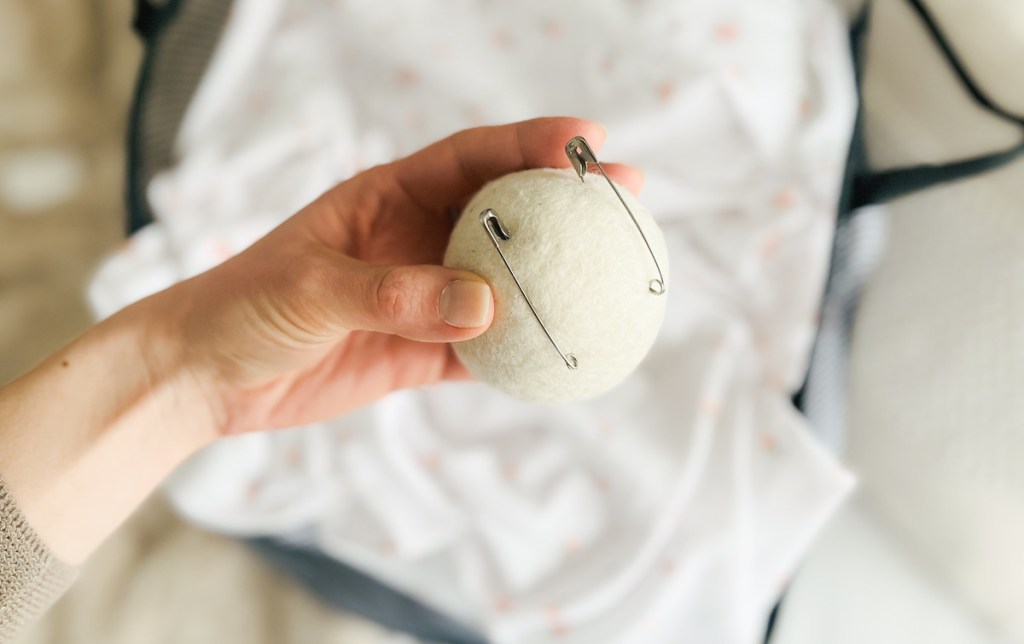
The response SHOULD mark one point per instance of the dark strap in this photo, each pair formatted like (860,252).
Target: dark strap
(180,38)
(958,66)
(878,187)
(151,16)
(344,587)
(857,156)
(888,185)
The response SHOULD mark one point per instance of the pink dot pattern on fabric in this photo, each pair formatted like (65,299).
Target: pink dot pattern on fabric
(253,490)
(501,38)
(785,198)
(555,622)
(407,77)
(553,29)
(431,461)
(806,107)
(572,546)
(510,471)
(726,32)
(710,408)
(771,244)
(666,90)
(502,604)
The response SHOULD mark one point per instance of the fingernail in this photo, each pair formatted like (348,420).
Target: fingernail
(465,303)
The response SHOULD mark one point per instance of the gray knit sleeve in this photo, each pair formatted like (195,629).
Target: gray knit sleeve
(31,578)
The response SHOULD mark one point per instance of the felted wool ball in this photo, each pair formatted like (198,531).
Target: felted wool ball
(587,271)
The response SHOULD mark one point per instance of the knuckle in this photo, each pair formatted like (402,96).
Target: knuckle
(394,294)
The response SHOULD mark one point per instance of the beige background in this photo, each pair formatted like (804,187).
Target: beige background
(66,72)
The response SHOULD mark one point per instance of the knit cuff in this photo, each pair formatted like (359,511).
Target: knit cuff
(31,577)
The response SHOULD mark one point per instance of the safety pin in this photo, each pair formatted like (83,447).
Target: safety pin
(491,223)
(581,154)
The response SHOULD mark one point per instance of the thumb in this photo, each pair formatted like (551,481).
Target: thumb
(425,303)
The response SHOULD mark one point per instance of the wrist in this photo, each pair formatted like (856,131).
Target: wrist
(175,377)
(91,431)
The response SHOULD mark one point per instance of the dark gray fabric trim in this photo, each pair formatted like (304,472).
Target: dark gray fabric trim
(347,588)
(181,36)
(881,187)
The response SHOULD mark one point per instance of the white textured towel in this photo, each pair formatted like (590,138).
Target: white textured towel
(672,509)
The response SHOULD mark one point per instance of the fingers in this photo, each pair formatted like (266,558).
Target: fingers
(425,303)
(455,370)
(454,168)
(629,177)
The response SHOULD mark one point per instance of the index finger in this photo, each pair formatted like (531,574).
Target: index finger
(454,168)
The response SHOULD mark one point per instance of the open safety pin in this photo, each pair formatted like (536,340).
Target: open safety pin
(497,232)
(581,155)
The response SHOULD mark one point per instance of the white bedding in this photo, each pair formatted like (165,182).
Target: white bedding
(672,509)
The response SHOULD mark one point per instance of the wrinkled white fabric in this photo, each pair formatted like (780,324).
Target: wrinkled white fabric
(672,509)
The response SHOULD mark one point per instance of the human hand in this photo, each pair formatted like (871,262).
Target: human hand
(346,301)
(338,306)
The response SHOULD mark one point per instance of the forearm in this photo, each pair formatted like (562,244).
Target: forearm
(343,303)
(90,432)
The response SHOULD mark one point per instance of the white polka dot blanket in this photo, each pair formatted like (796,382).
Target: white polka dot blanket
(672,509)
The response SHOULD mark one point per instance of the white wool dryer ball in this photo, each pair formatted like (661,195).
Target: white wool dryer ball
(583,265)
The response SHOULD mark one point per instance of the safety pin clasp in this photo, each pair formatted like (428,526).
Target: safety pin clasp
(581,155)
(498,233)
